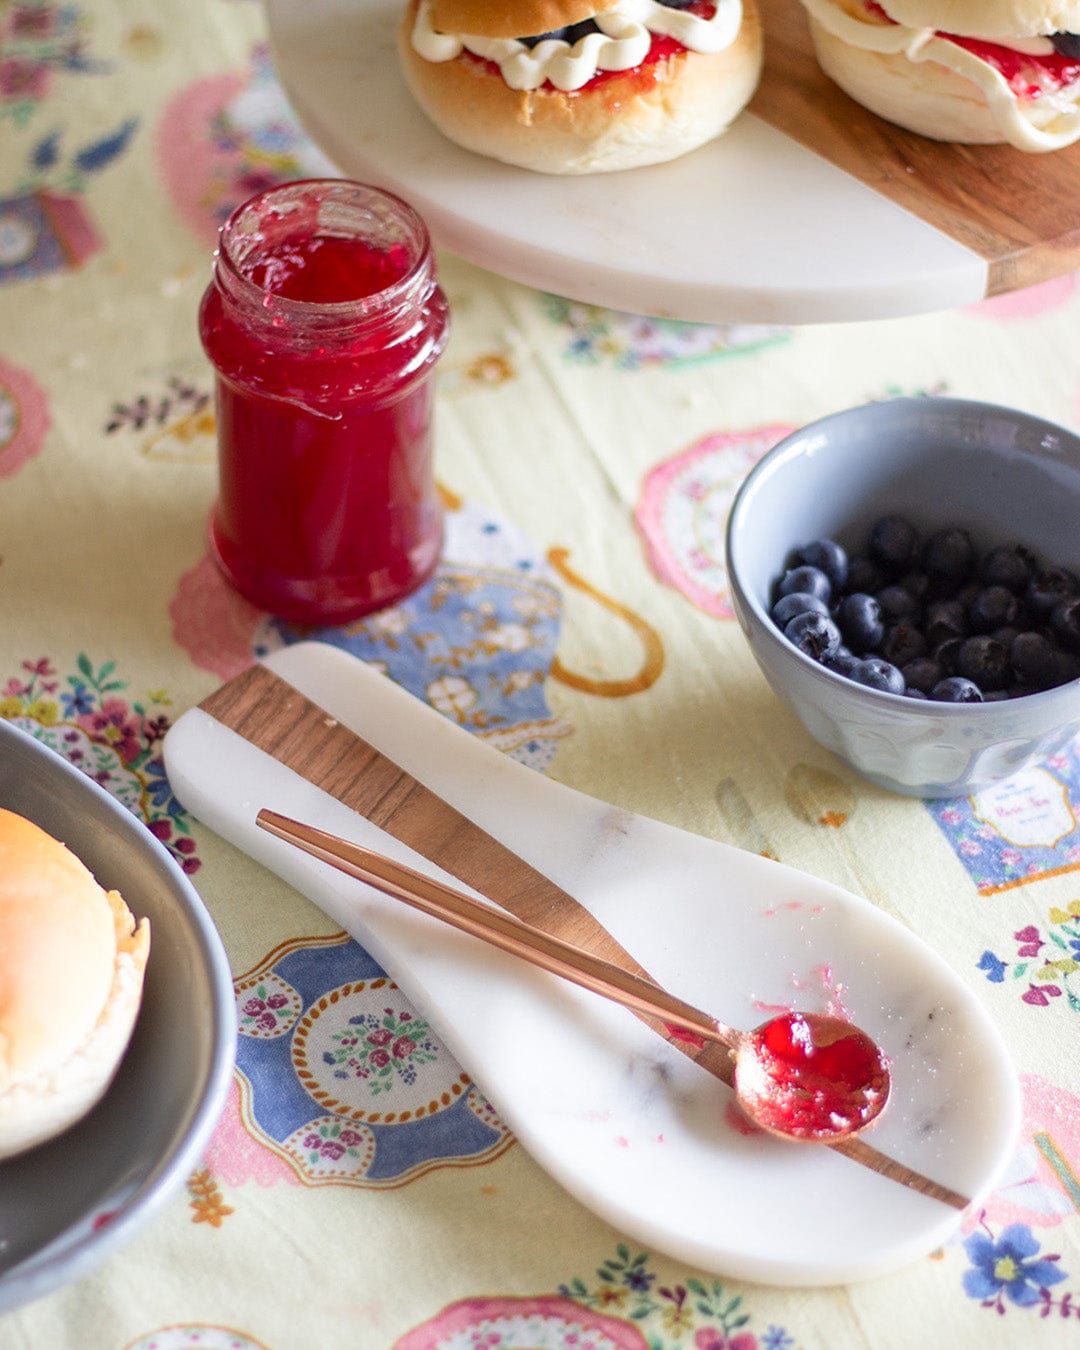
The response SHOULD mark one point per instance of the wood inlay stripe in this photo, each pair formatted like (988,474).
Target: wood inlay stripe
(278,719)
(1019,212)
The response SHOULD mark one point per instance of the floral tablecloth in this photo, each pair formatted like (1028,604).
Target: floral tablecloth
(580,621)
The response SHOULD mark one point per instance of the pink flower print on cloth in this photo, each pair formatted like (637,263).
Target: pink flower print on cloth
(522,1324)
(1030,302)
(24,415)
(223,139)
(196,1336)
(683,509)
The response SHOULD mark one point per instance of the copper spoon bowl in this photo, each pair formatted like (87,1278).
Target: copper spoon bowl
(799,1076)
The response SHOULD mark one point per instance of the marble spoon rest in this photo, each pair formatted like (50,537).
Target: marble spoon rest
(640,1129)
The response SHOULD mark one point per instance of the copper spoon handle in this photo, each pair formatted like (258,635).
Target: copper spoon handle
(502,930)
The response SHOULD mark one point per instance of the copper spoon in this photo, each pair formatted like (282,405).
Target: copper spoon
(801,1076)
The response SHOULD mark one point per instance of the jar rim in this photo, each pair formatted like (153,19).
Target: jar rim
(241,224)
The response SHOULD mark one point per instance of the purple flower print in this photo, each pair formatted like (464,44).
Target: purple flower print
(1040,995)
(381,1051)
(261,1011)
(1009,1266)
(22,80)
(330,1143)
(711,1338)
(1030,941)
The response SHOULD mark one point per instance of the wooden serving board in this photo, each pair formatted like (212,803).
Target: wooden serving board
(1020,212)
(808,209)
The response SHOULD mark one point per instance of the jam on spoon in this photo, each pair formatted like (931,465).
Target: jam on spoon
(800,1076)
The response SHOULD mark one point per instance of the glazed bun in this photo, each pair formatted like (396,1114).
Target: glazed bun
(72,961)
(519,18)
(910,73)
(653,110)
(989,18)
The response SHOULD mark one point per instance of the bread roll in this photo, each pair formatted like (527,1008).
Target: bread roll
(72,960)
(630,94)
(959,78)
(988,18)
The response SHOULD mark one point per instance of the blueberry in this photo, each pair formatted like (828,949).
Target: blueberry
(945,619)
(827,556)
(810,580)
(984,662)
(796,602)
(949,557)
(878,674)
(864,575)
(1065,622)
(912,692)
(898,605)
(1005,634)
(815,635)
(902,644)
(1065,44)
(1068,667)
(570,33)
(955,689)
(894,543)
(922,674)
(916,583)
(1009,565)
(1046,588)
(1034,660)
(947,654)
(842,661)
(992,607)
(859,618)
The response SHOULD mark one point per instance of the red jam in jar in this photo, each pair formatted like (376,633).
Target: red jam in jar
(323,321)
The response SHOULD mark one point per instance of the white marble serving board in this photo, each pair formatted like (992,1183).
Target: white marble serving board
(623,1120)
(751,228)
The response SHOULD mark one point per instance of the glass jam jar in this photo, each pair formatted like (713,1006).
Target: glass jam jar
(323,321)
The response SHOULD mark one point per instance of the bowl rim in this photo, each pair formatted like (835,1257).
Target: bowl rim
(51,1266)
(747,603)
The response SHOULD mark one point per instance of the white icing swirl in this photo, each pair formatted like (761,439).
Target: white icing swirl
(626,33)
(1022,123)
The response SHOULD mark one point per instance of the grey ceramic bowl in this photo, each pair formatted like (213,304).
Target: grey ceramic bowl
(69,1203)
(1007,476)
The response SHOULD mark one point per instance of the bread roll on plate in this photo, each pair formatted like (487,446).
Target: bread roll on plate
(969,71)
(72,960)
(581,86)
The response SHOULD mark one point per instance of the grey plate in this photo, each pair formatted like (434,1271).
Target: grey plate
(68,1204)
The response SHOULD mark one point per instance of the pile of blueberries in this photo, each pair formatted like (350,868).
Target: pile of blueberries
(932,616)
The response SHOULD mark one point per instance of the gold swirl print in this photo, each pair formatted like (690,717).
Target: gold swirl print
(652,663)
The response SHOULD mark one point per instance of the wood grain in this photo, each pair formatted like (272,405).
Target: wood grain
(278,719)
(1020,212)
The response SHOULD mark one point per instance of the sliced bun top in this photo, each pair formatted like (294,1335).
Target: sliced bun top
(512,18)
(59,935)
(988,18)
